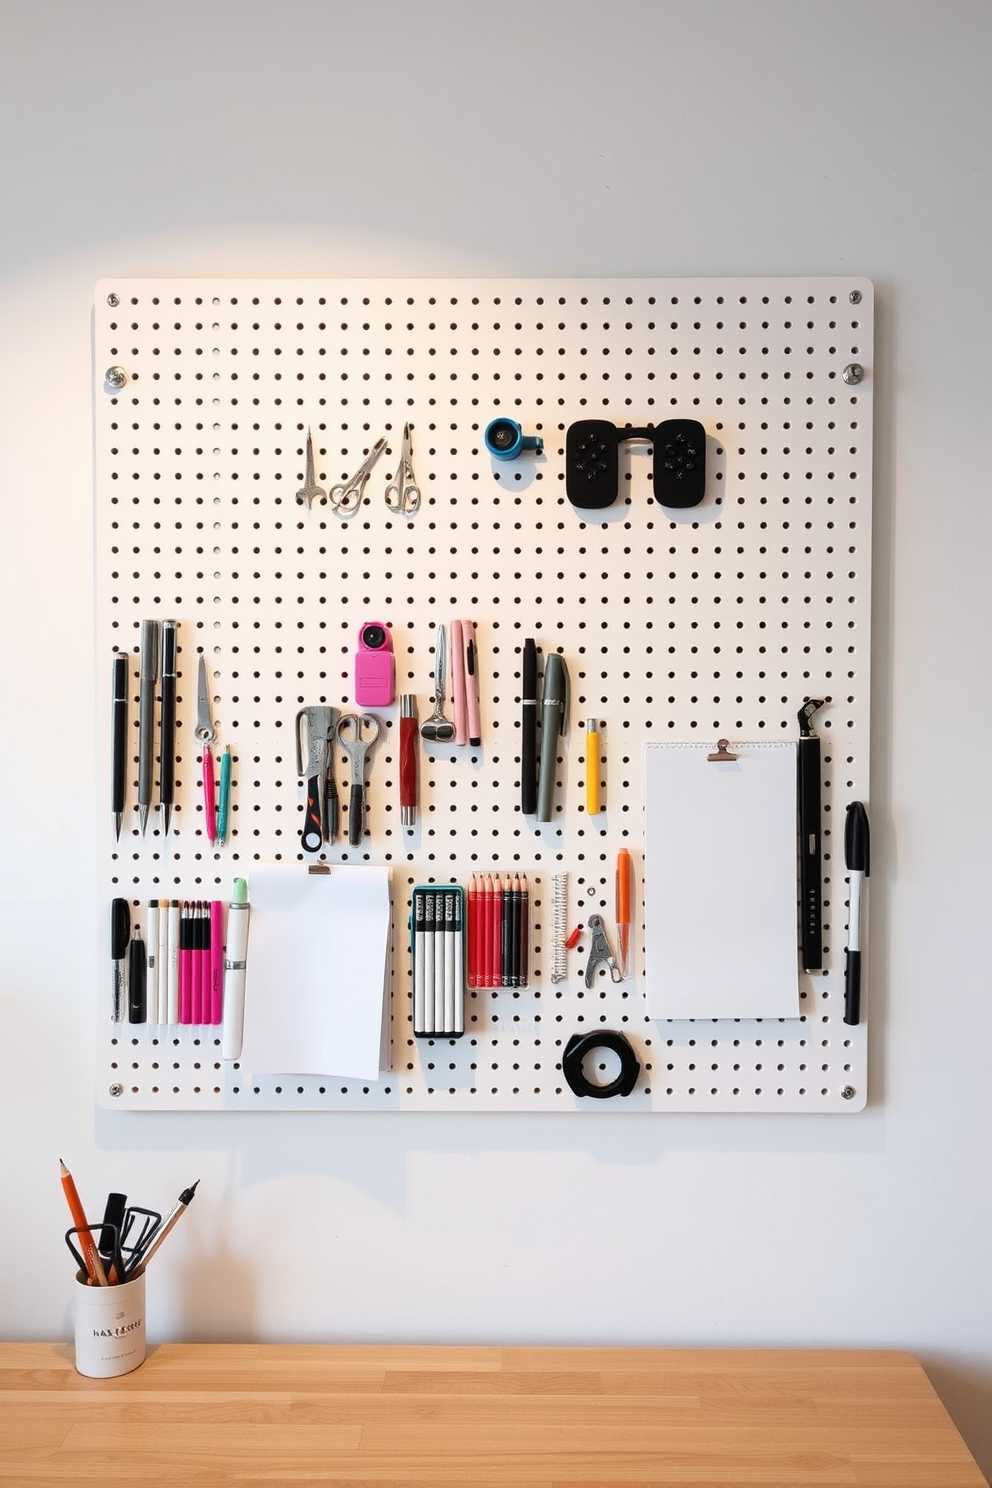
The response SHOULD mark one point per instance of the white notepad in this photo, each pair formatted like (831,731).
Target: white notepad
(316,983)
(720,882)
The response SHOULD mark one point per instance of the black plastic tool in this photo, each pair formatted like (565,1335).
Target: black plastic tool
(592,464)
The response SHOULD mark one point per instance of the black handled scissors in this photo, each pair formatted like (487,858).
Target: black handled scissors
(350,727)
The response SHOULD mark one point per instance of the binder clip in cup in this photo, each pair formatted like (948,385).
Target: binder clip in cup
(110,1327)
(505,440)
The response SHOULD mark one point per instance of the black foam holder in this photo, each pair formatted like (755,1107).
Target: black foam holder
(592,464)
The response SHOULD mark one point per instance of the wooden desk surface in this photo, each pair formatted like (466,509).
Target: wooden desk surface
(389,1417)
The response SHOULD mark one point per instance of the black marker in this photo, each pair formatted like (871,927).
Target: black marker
(857,857)
(810,884)
(136,979)
(118,738)
(120,935)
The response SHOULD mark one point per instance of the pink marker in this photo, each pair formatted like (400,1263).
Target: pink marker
(209,803)
(186,964)
(216,960)
(196,962)
(458,681)
(472,683)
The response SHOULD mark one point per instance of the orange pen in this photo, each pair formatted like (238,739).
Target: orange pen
(625,873)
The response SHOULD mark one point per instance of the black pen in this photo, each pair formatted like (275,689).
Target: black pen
(109,1242)
(137,973)
(810,882)
(120,935)
(146,717)
(119,741)
(167,724)
(554,722)
(857,857)
(528,729)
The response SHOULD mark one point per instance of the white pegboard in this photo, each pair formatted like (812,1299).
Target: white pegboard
(719,620)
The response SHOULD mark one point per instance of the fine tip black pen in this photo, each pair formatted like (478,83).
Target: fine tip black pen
(118,738)
(156,1236)
(528,728)
(167,724)
(146,716)
(857,857)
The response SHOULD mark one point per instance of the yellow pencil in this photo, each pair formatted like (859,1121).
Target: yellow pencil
(592,768)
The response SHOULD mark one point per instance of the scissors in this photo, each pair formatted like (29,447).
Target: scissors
(205,735)
(320,817)
(403,493)
(310,488)
(205,731)
(347,495)
(350,729)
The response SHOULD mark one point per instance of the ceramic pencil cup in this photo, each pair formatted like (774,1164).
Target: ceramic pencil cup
(110,1327)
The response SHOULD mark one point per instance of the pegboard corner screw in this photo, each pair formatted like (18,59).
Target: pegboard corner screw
(848,1092)
(853,373)
(855,297)
(115,377)
(113,300)
(117,1090)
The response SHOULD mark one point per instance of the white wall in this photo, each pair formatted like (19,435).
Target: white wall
(317,137)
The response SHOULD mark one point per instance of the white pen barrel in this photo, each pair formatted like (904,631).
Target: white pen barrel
(854,913)
(232,1034)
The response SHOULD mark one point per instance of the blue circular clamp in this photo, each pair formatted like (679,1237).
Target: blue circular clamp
(505,440)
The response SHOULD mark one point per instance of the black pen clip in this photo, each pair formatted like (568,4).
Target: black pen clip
(806,712)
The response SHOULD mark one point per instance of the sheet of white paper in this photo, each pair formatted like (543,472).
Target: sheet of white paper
(720,884)
(316,980)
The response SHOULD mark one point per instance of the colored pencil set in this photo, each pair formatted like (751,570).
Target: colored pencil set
(176,975)
(438,948)
(498,930)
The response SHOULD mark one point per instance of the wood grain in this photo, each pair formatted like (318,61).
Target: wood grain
(241,1416)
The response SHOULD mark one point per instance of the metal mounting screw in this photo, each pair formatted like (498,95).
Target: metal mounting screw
(853,372)
(113,300)
(116,1090)
(848,1092)
(115,377)
(855,297)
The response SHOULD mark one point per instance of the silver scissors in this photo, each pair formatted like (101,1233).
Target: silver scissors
(319,817)
(403,493)
(310,488)
(204,731)
(347,495)
(350,730)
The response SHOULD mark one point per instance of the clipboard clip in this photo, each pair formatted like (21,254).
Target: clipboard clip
(722,751)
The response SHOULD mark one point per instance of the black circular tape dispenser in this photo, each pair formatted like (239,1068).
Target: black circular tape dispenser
(581,1044)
